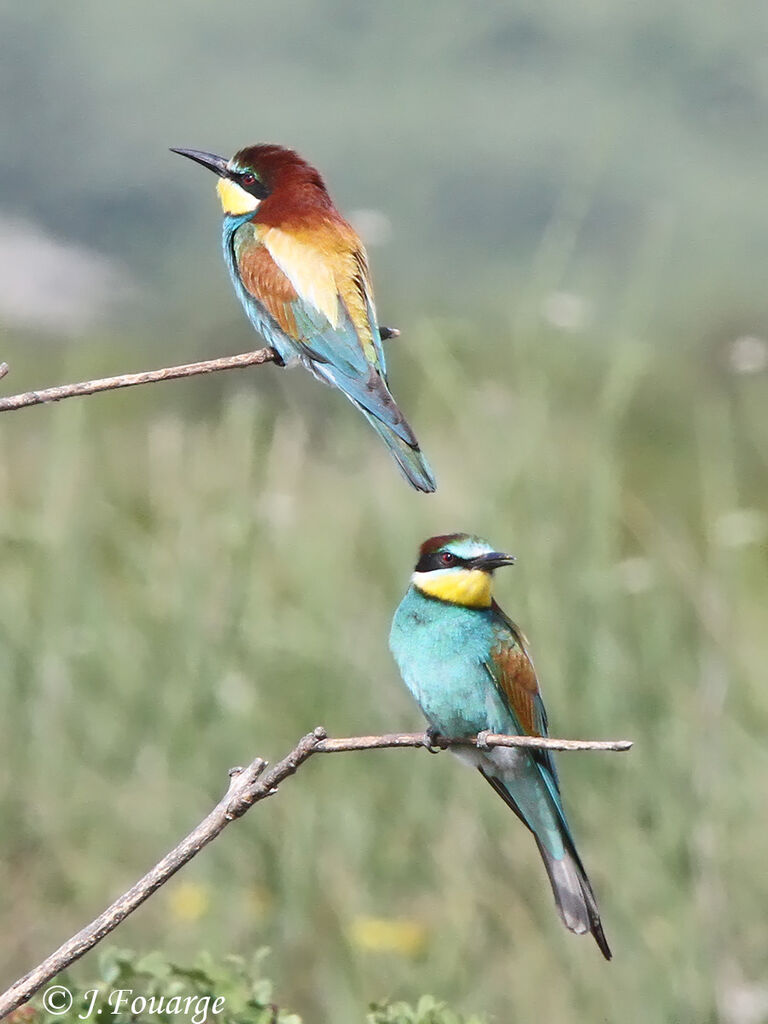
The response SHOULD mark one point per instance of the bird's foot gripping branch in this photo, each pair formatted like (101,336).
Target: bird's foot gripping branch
(130,380)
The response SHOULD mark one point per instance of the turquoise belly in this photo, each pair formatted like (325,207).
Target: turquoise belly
(440,650)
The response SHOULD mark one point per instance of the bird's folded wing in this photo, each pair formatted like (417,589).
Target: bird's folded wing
(268,285)
(511,668)
(513,673)
(319,295)
(333,306)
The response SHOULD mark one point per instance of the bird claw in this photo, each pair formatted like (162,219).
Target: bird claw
(277,359)
(431,736)
(385,333)
(482,739)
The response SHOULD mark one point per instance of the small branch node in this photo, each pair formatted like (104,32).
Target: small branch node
(4,370)
(387,333)
(431,741)
(238,807)
(482,739)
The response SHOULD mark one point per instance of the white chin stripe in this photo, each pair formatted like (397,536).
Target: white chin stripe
(421,578)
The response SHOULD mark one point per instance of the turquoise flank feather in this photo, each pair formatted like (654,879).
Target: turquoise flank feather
(445,655)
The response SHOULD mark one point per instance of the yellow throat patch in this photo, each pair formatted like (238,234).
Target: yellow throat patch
(235,200)
(468,587)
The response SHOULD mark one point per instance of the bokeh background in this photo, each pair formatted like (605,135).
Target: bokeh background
(565,206)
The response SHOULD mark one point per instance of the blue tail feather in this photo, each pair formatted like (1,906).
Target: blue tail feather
(571,887)
(412,463)
(370,394)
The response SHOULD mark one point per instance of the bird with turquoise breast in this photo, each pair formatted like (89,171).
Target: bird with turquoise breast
(469,668)
(301,272)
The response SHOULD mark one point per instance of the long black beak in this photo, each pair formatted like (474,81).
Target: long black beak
(492,560)
(214,163)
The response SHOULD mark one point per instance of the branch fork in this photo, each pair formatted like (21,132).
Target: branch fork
(248,786)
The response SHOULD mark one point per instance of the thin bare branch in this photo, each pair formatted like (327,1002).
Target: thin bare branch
(416,739)
(247,787)
(130,380)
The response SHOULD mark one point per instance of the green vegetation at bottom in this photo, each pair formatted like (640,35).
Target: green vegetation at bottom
(145,989)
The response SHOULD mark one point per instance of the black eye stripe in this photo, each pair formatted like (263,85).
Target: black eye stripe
(253,187)
(434,560)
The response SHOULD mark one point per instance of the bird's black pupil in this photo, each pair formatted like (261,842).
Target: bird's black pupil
(447,559)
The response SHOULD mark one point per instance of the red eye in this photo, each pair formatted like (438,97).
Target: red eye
(447,558)
(249,179)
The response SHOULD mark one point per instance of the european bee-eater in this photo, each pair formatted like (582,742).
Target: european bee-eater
(468,667)
(301,273)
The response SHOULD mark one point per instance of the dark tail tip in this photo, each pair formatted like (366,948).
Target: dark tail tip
(599,937)
(574,896)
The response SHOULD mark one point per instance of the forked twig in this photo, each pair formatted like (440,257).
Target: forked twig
(247,787)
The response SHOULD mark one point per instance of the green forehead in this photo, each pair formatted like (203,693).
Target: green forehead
(240,166)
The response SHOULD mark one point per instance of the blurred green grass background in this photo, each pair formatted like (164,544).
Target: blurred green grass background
(184,587)
(194,573)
